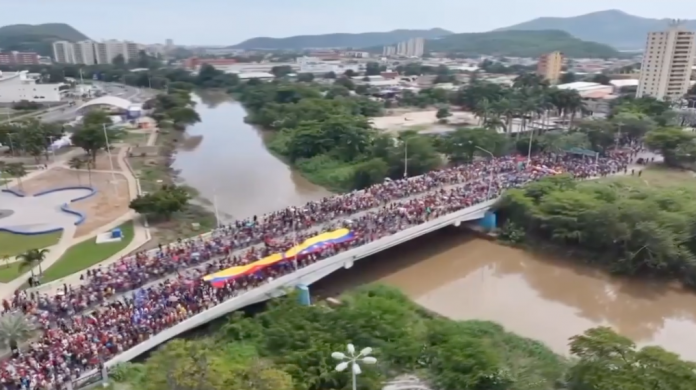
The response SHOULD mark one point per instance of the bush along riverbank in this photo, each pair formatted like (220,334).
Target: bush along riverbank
(173,111)
(329,138)
(629,225)
(289,346)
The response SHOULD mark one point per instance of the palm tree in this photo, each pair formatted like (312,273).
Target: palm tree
(76,163)
(32,258)
(15,328)
(17,170)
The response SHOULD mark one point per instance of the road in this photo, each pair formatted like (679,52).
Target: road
(133,94)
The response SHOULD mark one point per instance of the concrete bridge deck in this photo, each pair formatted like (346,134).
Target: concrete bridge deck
(304,276)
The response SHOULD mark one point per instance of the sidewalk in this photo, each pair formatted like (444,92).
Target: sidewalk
(141,234)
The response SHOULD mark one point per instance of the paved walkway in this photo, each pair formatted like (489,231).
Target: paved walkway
(141,233)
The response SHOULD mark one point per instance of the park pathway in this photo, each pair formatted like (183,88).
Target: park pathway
(67,240)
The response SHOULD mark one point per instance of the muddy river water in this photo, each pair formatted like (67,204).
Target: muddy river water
(449,272)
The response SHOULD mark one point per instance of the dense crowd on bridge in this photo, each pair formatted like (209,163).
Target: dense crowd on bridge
(86,325)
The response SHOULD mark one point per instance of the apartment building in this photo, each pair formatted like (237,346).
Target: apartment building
(667,61)
(90,52)
(64,52)
(19,58)
(389,51)
(550,65)
(84,53)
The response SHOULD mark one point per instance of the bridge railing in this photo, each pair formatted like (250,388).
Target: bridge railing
(306,275)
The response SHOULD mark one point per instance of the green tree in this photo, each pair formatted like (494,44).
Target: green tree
(305,77)
(183,116)
(281,71)
(372,69)
(330,75)
(90,138)
(162,203)
(442,114)
(15,328)
(96,118)
(32,258)
(608,361)
(119,61)
(673,144)
(601,79)
(345,82)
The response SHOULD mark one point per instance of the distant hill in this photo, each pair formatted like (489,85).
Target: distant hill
(520,44)
(340,40)
(615,28)
(38,38)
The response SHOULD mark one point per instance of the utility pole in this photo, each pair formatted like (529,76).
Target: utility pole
(405,158)
(111,160)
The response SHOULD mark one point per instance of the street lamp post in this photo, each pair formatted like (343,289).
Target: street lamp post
(405,158)
(352,359)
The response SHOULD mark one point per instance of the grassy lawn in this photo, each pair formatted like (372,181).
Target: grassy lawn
(10,272)
(14,244)
(86,254)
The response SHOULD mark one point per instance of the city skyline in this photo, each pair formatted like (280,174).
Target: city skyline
(132,20)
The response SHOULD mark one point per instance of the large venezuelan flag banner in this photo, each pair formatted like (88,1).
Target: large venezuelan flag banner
(310,245)
(317,243)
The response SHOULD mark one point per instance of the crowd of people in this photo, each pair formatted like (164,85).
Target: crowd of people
(87,324)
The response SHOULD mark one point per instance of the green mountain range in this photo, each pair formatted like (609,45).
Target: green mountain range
(37,38)
(339,40)
(520,44)
(613,27)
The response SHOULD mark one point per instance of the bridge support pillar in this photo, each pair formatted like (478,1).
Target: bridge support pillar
(489,221)
(303,295)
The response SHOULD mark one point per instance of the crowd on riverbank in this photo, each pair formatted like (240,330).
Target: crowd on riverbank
(86,325)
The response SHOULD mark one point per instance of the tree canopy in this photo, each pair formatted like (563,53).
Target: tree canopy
(162,203)
(289,346)
(329,137)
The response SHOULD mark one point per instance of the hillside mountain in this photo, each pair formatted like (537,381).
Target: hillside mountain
(38,38)
(520,44)
(340,40)
(613,27)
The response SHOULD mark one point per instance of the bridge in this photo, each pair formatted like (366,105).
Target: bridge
(304,276)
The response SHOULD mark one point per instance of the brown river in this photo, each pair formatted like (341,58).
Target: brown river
(450,272)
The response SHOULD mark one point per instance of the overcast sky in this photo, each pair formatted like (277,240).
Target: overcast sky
(227,22)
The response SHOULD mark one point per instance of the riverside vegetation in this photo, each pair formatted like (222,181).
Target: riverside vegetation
(289,346)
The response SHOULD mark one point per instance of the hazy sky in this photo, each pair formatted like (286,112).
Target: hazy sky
(226,22)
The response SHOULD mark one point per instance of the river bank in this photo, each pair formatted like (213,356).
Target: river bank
(153,169)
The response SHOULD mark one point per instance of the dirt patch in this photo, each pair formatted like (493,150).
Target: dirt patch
(102,161)
(110,202)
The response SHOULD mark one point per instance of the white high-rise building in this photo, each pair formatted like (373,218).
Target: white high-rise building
(107,51)
(64,52)
(84,53)
(667,62)
(414,47)
(90,53)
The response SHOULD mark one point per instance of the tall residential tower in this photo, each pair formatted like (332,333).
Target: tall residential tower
(550,65)
(667,62)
